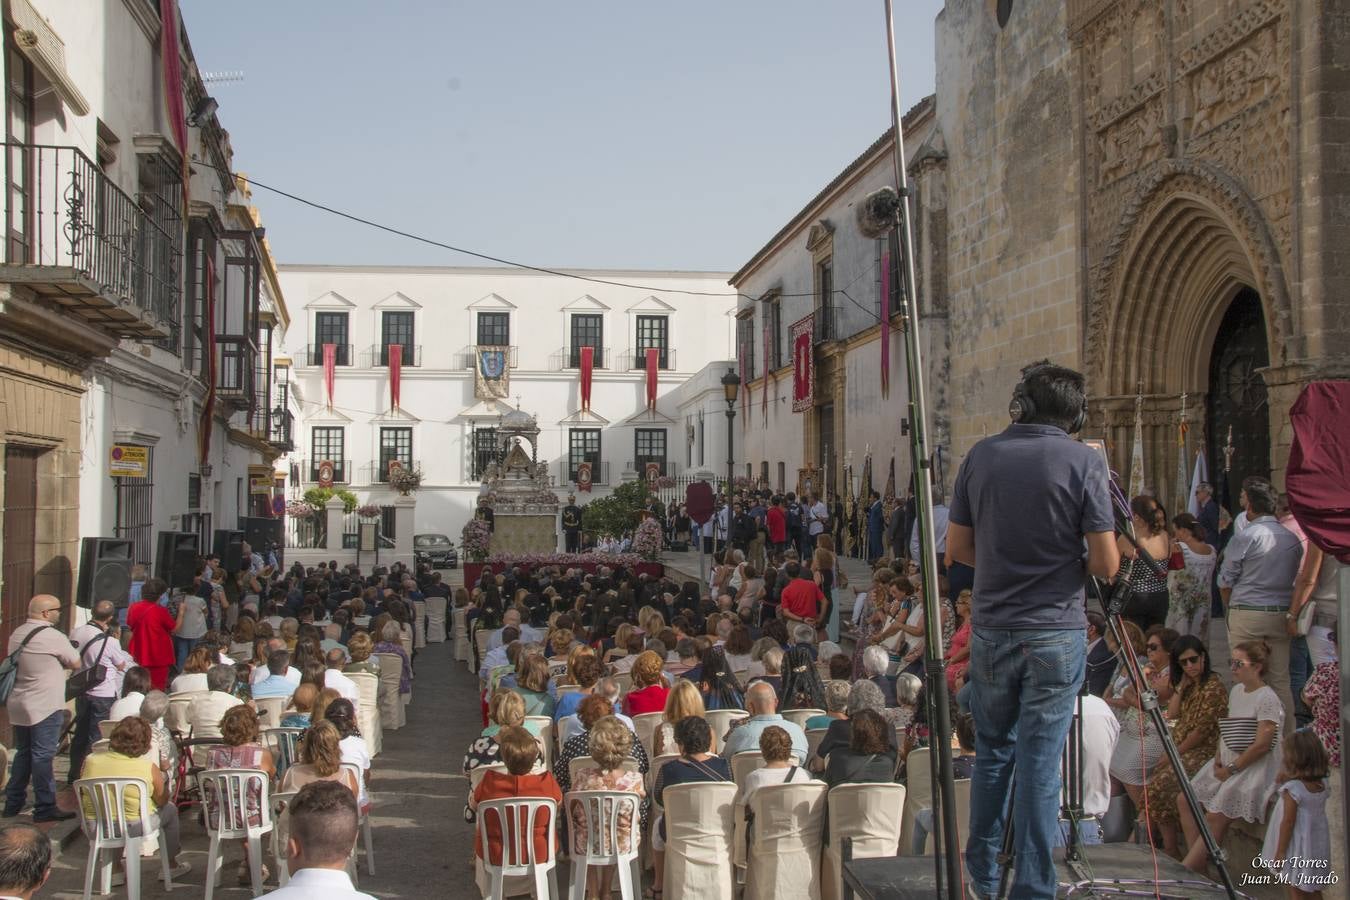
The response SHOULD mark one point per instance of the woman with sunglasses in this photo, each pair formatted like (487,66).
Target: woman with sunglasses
(1198,703)
(1140,747)
(1240,780)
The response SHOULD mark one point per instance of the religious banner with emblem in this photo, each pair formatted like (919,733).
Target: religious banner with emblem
(652,472)
(803,364)
(584,477)
(850,512)
(326,471)
(491,374)
(888,493)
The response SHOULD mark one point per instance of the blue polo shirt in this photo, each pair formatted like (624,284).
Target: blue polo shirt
(1031,493)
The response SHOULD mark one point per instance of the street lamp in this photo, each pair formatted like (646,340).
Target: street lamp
(731,386)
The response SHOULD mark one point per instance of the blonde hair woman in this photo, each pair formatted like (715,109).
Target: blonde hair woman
(683,701)
(322,755)
(610,743)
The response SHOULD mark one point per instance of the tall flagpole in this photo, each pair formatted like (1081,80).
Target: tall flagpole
(948,857)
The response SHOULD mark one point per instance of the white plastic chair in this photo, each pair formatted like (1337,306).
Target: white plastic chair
(459,630)
(798,717)
(624,681)
(870,815)
(367,833)
(271,710)
(107,727)
(544,737)
(813,738)
(109,829)
(476,774)
(480,641)
(578,763)
(176,717)
(719,721)
(225,794)
(743,763)
(281,831)
(419,624)
(436,620)
(516,818)
(392,714)
(698,839)
(368,711)
(285,746)
(601,841)
(645,725)
(784,852)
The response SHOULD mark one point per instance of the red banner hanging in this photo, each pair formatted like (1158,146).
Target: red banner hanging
(587,367)
(395,374)
(209,403)
(171,69)
(584,477)
(329,370)
(803,364)
(653,363)
(745,382)
(885,323)
(768,366)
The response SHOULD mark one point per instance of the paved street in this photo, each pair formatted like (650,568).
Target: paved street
(423,847)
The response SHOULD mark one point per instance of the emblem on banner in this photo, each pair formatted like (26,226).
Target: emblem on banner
(803,364)
(492,373)
(584,477)
(652,472)
(326,472)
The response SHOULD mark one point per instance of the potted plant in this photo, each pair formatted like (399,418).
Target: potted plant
(369,512)
(299,509)
(405,480)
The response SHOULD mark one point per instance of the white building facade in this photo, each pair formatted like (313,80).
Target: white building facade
(444,319)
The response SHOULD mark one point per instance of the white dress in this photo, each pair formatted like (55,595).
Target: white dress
(1246,794)
(1309,845)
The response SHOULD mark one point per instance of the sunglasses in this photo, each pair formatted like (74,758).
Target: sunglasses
(1236,664)
(1190,660)
(1155,647)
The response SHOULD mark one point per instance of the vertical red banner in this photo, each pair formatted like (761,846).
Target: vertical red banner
(587,367)
(395,373)
(329,370)
(653,364)
(171,68)
(802,334)
(768,366)
(209,403)
(885,323)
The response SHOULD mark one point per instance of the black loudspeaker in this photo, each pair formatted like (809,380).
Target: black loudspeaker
(105,571)
(261,532)
(228,545)
(176,559)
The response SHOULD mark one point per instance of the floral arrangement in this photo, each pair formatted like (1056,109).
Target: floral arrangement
(740,481)
(647,539)
(406,480)
(299,509)
(369,511)
(536,560)
(665,482)
(476,540)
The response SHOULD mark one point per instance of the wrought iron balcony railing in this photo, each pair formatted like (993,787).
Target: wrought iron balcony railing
(665,358)
(313,355)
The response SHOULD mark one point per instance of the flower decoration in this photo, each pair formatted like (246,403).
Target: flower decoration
(299,509)
(405,480)
(647,539)
(536,560)
(665,482)
(476,540)
(369,511)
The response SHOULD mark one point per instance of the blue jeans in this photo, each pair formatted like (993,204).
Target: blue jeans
(34,749)
(181,648)
(1023,685)
(1300,670)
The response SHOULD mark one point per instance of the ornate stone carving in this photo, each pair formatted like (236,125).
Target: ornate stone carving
(1236,82)
(1230,33)
(1132,144)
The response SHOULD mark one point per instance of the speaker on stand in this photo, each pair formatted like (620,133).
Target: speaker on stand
(176,558)
(105,571)
(228,545)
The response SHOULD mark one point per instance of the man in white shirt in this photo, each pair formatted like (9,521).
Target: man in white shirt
(511,619)
(97,643)
(25,860)
(816,517)
(262,673)
(940,515)
(333,677)
(205,712)
(1101,729)
(323,818)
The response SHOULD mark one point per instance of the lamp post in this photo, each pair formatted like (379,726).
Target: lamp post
(731,386)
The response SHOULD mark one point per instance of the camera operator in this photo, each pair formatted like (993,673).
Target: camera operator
(1023,503)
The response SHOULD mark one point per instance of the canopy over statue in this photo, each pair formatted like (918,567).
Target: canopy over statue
(519,489)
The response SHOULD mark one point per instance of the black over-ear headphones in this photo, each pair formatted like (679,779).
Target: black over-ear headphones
(1022,407)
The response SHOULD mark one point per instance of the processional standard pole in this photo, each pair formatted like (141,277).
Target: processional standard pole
(948,858)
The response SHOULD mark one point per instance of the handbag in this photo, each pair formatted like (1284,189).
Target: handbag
(1305,618)
(9,667)
(1240,733)
(85,680)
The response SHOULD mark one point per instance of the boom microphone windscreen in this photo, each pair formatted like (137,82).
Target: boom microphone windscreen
(879,212)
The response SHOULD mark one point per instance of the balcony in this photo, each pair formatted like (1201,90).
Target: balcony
(567,475)
(824,324)
(468,357)
(235,357)
(78,241)
(379,474)
(668,466)
(570,358)
(312,355)
(665,359)
(342,470)
(377,355)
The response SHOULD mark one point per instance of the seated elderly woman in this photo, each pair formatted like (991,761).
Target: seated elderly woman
(359,648)
(391,642)
(163,750)
(506,709)
(772,661)
(870,755)
(836,702)
(864,695)
(875,662)
(193,679)
(322,757)
(609,743)
(126,757)
(591,710)
(649,687)
(302,705)
(532,685)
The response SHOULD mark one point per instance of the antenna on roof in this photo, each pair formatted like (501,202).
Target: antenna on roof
(222,77)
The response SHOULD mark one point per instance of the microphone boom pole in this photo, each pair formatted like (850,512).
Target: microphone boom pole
(947,857)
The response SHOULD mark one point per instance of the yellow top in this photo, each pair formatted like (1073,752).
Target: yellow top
(117,765)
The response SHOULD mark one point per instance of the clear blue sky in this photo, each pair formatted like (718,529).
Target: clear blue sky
(583,133)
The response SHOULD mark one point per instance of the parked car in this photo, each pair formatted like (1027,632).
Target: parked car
(435,549)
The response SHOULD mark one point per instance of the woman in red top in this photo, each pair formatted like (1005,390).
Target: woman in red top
(520,753)
(152,633)
(649,690)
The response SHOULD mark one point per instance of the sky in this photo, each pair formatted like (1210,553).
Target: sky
(581,134)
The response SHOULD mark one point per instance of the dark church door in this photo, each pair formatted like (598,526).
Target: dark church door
(1237,393)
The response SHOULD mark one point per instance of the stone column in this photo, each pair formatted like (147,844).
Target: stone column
(403,528)
(334,511)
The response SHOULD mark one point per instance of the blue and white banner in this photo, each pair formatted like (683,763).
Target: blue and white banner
(492,374)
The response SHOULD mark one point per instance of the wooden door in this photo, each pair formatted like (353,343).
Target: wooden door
(20,526)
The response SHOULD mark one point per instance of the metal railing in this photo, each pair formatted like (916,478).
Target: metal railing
(307,534)
(825,324)
(234,367)
(665,358)
(669,468)
(567,475)
(379,474)
(62,213)
(468,357)
(313,355)
(570,358)
(342,470)
(378,355)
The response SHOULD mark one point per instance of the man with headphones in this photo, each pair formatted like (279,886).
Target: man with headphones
(1023,504)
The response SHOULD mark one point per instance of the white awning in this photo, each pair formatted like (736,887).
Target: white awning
(36,39)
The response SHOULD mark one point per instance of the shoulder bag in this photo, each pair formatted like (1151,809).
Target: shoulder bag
(85,680)
(9,666)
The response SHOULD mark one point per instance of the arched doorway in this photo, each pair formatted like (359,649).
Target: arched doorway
(1237,392)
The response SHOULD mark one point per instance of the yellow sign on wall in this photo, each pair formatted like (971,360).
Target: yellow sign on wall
(129,461)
